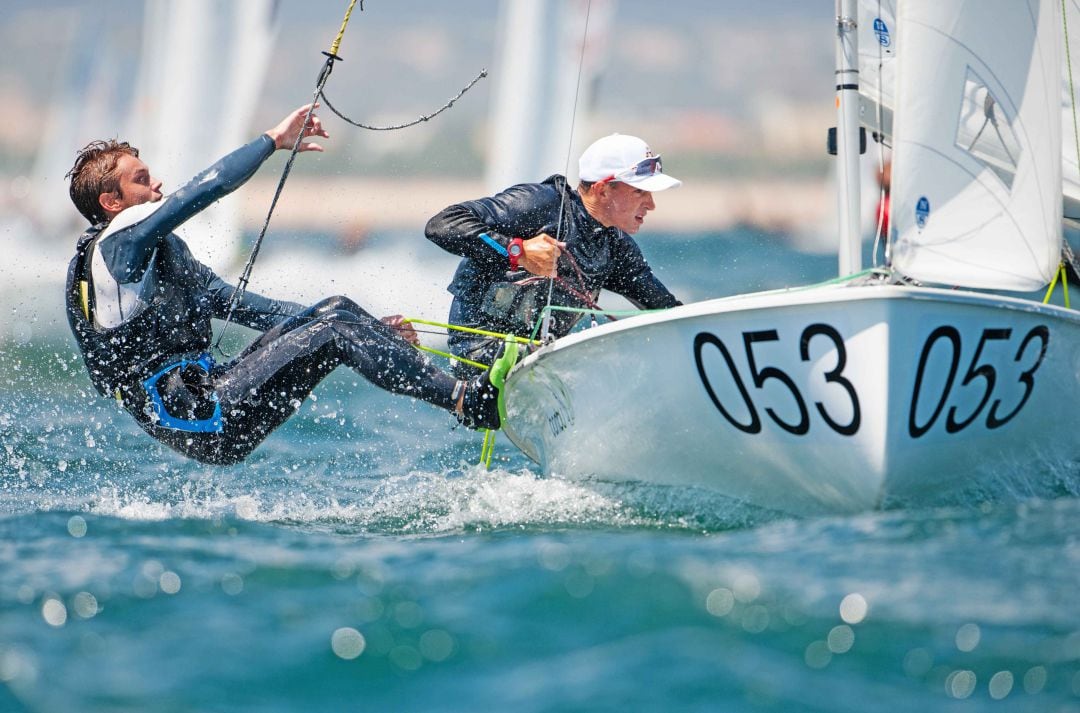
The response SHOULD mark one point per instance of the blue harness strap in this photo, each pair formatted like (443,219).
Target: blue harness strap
(167,420)
(493,244)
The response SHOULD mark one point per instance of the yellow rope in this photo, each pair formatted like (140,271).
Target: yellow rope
(488,449)
(1065,285)
(448,355)
(1053,283)
(471,330)
(341,33)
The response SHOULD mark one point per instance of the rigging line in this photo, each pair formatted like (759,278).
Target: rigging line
(394,127)
(881,153)
(1072,86)
(545,332)
(245,277)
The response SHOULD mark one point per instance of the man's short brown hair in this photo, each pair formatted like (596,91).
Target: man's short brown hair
(94,173)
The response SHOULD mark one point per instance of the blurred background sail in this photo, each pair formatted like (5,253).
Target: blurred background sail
(543,50)
(82,107)
(201,75)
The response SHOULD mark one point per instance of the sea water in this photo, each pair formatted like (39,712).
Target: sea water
(360,560)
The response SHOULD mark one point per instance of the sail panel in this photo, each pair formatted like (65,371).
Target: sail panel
(877,64)
(977,167)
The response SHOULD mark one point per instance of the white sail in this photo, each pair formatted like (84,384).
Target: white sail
(1070,115)
(877,86)
(977,149)
(877,64)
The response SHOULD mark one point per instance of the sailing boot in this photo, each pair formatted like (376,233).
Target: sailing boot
(480,404)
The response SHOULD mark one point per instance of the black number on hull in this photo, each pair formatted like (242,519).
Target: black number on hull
(771,372)
(953,336)
(761,376)
(986,371)
(975,370)
(1027,378)
(700,341)
(833,377)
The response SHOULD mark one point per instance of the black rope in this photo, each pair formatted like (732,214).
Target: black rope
(414,122)
(324,75)
(245,277)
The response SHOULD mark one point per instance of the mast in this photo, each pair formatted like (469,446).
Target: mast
(847,148)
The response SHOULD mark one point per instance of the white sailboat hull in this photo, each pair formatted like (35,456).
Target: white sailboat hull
(825,400)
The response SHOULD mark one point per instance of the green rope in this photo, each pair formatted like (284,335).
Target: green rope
(1053,284)
(1063,276)
(471,330)
(635,312)
(448,355)
(488,449)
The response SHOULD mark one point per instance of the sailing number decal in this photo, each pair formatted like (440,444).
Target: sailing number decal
(760,375)
(980,393)
(1032,350)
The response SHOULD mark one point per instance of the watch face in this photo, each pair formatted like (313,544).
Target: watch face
(515,250)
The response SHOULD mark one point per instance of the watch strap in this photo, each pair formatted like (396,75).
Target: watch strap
(515,250)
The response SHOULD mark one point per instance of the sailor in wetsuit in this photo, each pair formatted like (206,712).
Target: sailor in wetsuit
(513,241)
(140,307)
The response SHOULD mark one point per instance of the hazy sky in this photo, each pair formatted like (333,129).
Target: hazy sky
(700,69)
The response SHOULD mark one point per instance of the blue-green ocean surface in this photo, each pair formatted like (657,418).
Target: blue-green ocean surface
(361,561)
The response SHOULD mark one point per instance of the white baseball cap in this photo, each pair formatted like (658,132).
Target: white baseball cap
(626,159)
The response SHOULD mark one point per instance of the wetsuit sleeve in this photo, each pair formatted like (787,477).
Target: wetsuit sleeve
(519,211)
(133,235)
(634,279)
(254,310)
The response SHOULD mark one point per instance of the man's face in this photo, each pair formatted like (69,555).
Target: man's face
(137,186)
(627,206)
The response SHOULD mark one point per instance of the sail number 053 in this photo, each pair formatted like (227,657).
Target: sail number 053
(949,337)
(761,375)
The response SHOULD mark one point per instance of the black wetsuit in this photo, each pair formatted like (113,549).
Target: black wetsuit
(140,307)
(487,295)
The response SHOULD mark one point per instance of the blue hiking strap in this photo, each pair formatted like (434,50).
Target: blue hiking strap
(167,420)
(494,244)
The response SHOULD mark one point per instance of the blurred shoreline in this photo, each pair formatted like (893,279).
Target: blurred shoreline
(374,204)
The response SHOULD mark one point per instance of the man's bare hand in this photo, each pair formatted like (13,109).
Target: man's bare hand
(540,255)
(285,133)
(404,329)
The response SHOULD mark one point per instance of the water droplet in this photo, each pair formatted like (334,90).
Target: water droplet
(169,582)
(85,605)
(720,602)
(54,612)
(960,684)
(436,645)
(1001,684)
(1034,679)
(817,655)
(232,584)
(76,526)
(967,637)
(347,643)
(841,639)
(406,658)
(853,608)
